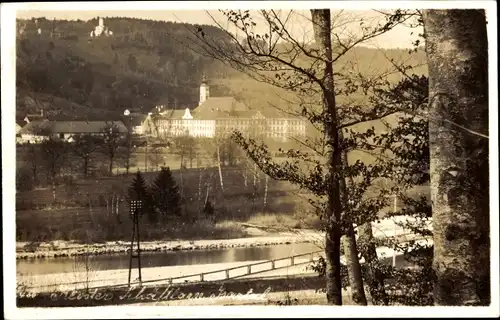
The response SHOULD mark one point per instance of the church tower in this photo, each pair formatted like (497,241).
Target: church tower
(204,90)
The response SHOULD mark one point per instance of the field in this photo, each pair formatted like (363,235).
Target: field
(95,209)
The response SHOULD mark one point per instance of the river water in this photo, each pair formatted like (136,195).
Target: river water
(161,259)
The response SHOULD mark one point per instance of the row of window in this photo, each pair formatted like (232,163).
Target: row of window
(226,122)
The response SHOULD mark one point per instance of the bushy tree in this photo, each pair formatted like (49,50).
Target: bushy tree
(185,147)
(165,194)
(112,140)
(84,147)
(54,152)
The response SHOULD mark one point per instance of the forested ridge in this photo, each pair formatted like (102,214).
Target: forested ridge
(142,64)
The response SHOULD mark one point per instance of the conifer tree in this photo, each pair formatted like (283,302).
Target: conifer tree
(165,194)
(139,190)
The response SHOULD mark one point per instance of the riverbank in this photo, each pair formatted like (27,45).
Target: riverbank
(56,249)
(255,236)
(87,276)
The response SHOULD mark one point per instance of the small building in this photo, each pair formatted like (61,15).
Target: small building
(135,121)
(37,131)
(35,117)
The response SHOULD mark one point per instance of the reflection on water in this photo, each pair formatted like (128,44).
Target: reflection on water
(160,259)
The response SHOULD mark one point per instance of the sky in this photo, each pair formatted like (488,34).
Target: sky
(299,23)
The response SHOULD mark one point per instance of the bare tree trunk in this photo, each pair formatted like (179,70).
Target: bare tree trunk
(245,176)
(111,165)
(375,278)
(254,176)
(34,170)
(220,170)
(321,20)
(199,185)
(54,188)
(265,191)
(350,246)
(353,267)
(206,197)
(34,164)
(117,209)
(457,52)
(86,167)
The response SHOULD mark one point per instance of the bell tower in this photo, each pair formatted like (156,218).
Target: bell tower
(204,90)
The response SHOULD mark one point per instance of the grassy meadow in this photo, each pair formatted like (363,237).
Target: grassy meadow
(95,208)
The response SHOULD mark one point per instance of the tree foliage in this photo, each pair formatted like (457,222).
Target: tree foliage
(165,194)
(112,140)
(84,147)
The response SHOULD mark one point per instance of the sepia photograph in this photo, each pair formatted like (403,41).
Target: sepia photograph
(249,159)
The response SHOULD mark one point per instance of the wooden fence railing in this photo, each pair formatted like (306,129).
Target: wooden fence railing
(220,274)
(223,274)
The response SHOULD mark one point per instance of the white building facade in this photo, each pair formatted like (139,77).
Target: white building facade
(219,115)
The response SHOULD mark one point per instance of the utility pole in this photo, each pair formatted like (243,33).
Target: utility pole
(129,147)
(135,210)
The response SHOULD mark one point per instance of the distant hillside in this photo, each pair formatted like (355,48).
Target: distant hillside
(58,108)
(144,63)
(369,62)
(141,64)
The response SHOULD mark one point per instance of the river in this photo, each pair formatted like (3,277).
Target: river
(162,259)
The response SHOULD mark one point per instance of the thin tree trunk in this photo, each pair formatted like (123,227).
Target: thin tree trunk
(85,167)
(375,278)
(265,191)
(34,167)
(54,189)
(350,247)
(245,176)
(117,212)
(199,185)
(220,170)
(254,175)
(111,166)
(322,27)
(206,197)
(127,162)
(35,173)
(353,267)
(457,55)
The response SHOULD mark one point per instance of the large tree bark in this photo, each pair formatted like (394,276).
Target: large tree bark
(457,51)
(322,26)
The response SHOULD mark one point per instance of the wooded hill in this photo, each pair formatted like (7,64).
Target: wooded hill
(142,64)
